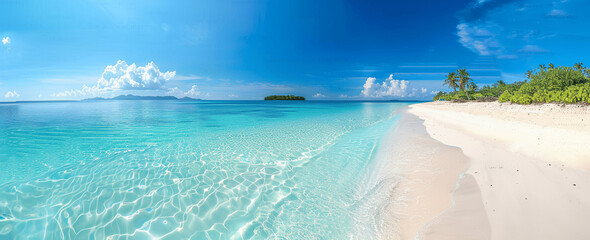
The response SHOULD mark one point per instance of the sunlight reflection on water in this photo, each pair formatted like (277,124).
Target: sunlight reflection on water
(175,170)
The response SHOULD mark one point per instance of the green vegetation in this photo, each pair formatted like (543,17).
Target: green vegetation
(284,97)
(461,80)
(543,85)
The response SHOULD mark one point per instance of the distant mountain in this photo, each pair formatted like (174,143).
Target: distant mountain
(188,99)
(133,97)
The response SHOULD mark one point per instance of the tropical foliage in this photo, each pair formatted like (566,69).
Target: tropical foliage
(461,80)
(452,81)
(552,84)
(543,85)
(284,97)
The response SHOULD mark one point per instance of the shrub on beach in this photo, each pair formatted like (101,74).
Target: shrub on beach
(543,85)
(561,84)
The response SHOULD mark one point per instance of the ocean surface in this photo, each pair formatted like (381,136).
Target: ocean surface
(198,170)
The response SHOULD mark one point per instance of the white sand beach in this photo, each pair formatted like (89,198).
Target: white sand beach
(509,172)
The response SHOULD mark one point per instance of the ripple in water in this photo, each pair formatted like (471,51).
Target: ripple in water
(171,170)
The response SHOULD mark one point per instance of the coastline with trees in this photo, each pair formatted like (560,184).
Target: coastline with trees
(527,159)
(545,84)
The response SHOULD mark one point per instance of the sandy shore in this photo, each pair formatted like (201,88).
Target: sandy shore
(427,172)
(494,171)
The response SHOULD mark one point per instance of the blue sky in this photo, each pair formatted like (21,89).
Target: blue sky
(57,50)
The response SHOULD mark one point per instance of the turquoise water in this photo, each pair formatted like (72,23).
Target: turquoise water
(178,170)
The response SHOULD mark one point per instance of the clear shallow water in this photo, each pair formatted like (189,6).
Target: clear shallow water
(176,170)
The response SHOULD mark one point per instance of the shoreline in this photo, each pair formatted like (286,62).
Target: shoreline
(526,173)
(426,173)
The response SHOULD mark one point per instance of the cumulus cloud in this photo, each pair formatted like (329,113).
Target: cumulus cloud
(122,76)
(130,77)
(233,96)
(193,92)
(390,87)
(175,91)
(11,94)
(6,40)
(318,95)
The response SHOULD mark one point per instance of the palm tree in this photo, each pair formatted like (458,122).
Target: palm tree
(578,66)
(529,73)
(498,83)
(452,81)
(472,86)
(551,65)
(464,79)
(542,67)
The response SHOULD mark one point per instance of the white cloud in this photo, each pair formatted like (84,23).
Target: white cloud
(413,93)
(318,95)
(430,66)
(557,13)
(175,91)
(390,87)
(189,77)
(424,90)
(124,77)
(11,94)
(79,92)
(130,77)
(483,29)
(532,49)
(193,92)
(233,96)
(508,56)
(343,96)
(481,38)
(6,40)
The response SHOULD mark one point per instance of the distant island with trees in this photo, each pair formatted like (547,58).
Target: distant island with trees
(284,97)
(545,84)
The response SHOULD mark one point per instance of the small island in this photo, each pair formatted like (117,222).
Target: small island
(284,97)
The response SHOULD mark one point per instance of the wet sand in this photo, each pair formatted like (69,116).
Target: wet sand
(526,172)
